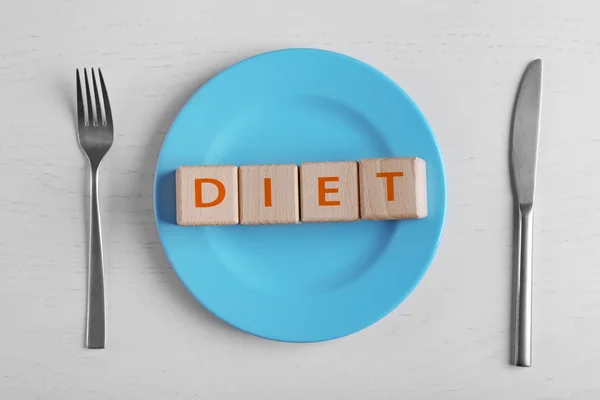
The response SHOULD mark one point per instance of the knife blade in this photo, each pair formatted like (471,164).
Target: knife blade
(525,132)
(524,150)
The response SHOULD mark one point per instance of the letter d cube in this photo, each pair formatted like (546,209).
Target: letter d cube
(207,195)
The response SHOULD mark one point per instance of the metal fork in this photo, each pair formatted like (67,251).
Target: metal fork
(95,138)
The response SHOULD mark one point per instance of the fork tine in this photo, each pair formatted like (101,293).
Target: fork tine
(91,120)
(80,111)
(97,99)
(107,111)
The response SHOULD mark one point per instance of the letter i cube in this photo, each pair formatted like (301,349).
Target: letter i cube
(393,188)
(207,195)
(269,194)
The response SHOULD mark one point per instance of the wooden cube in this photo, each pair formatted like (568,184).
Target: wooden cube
(207,195)
(269,194)
(393,188)
(329,191)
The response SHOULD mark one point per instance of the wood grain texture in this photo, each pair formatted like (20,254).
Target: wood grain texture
(393,188)
(269,194)
(459,60)
(207,195)
(329,191)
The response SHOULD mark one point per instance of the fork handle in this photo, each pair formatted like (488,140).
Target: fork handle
(524,290)
(95,321)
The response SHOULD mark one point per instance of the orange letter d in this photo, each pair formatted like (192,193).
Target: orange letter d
(220,194)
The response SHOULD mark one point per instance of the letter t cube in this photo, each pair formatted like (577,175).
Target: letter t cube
(393,188)
(207,195)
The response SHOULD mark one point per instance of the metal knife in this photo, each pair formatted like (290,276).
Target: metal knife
(524,150)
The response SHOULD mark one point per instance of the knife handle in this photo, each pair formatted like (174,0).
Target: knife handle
(524,288)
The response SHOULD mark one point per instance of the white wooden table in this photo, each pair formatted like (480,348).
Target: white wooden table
(460,60)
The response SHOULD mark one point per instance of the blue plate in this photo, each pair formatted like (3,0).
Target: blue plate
(312,281)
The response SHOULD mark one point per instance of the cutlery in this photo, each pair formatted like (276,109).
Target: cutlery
(95,132)
(524,149)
